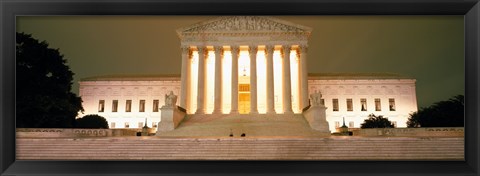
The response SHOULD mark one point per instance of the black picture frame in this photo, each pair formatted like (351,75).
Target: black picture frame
(9,9)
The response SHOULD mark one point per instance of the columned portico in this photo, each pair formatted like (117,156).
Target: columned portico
(246,74)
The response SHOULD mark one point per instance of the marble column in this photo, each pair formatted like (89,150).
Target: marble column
(184,77)
(235,54)
(287,86)
(270,84)
(188,94)
(303,77)
(253,79)
(201,80)
(217,109)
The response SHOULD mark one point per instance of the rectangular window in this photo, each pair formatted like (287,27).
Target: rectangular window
(140,124)
(378,106)
(112,125)
(141,107)
(394,124)
(101,105)
(391,104)
(350,124)
(363,102)
(349,105)
(114,105)
(128,106)
(335,104)
(337,124)
(155,105)
(127,125)
(322,101)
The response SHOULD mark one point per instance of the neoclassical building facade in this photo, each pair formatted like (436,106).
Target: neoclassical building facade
(242,54)
(247,65)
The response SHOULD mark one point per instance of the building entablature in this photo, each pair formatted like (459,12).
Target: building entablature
(129,83)
(363,82)
(135,78)
(161,79)
(359,78)
(244,30)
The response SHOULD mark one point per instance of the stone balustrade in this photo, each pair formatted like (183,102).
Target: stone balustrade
(72,132)
(427,131)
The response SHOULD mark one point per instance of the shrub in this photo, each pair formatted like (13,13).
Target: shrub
(376,122)
(91,121)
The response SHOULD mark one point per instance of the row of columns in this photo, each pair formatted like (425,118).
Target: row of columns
(253,50)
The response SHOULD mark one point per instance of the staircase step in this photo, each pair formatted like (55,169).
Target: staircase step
(154,148)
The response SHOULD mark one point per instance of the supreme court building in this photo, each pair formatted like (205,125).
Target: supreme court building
(248,65)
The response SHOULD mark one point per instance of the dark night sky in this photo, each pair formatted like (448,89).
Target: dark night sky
(427,48)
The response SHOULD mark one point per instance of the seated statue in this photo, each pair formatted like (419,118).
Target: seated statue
(170,99)
(316,98)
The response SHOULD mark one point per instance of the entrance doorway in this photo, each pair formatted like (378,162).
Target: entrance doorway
(244,98)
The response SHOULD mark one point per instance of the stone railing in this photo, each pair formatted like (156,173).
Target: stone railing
(73,132)
(428,131)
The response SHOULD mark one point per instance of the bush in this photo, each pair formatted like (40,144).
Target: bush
(91,121)
(376,122)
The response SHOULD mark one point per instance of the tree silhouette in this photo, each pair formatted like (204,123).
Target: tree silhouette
(92,121)
(449,113)
(376,122)
(43,85)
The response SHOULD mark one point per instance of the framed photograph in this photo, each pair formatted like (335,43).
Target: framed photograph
(193,33)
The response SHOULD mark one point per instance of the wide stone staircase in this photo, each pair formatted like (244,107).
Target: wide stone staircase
(241,148)
(262,125)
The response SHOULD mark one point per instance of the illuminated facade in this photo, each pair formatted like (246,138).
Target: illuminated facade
(355,96)
(247,65)
(229,63)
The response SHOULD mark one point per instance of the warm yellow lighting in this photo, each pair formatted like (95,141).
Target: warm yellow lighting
(278,81)
(227,82)
(244,67)
(193,83)
(294,74)
(261,83)
(210,82)
(243,78)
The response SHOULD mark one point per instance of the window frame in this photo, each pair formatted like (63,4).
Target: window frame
(128,106)
(101,106)
(335,105)
(378,104)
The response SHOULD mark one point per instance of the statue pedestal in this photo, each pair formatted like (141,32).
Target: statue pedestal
(317,118)
(170,118)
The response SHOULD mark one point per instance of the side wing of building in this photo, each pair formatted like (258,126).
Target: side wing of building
(128,101)
(354,97)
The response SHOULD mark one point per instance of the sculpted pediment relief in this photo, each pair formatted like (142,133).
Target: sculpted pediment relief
(247,24)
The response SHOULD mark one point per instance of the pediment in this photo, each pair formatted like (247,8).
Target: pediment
(244,24)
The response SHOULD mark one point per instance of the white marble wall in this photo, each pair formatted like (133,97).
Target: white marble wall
(94,91)
(401,90)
